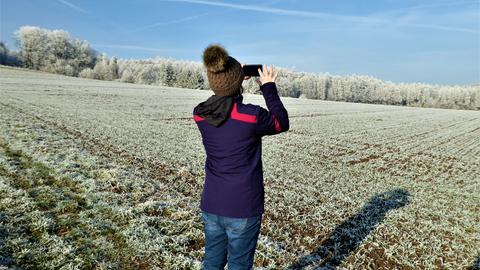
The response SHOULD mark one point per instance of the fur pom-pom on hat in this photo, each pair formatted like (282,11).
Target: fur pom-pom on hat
(215,58)
(225,73)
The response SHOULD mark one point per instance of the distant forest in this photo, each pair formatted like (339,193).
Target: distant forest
(56,52)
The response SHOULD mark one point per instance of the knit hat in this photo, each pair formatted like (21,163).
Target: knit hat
(225,73)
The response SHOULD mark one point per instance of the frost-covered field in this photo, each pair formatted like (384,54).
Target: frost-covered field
(106,175)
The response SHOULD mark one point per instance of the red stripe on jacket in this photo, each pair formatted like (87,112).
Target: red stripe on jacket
(242,116)
(197,118)
(277,124)
(235,114)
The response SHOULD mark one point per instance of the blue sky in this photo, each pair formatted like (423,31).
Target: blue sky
(432,41)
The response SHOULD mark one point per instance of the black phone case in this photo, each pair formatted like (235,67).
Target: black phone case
(252,70)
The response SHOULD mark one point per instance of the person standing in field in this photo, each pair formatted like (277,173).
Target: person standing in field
(232,201)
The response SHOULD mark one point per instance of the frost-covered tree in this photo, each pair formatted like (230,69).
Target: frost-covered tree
(197,79)
(87,74)
(127,76)
(53,51)
(101,68)
(113,65)
(169,76)
(106,69)
(33,46)
(150,74)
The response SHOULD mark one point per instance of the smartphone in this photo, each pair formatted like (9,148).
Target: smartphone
(252,70)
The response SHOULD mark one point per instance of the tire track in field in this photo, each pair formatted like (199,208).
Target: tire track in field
(154,170)
(61,200)
(87,125)
(466,144)
(148,168)
(395,161)
(363,142)
(461,144)
(333,114)
(382,133)
(451,137)
(417,141)
(180,205)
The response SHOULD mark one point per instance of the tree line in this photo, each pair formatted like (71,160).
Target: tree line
(56,52)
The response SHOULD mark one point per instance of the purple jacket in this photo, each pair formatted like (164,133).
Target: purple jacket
(233,167)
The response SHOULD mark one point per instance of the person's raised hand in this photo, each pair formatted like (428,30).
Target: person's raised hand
(267,75)
(246,77)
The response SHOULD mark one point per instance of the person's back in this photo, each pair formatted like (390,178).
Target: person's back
(232,200)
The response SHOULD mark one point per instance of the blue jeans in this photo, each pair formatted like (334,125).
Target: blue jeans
(229,239)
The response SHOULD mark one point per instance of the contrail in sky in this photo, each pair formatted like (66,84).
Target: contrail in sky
(72,6)
(141,48)
(323,15)
(171,22)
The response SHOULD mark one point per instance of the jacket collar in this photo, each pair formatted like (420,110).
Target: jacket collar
(216,109)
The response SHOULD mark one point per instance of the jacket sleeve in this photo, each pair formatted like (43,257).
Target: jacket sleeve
(275,120)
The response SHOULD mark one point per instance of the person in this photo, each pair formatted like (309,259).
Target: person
(232,201)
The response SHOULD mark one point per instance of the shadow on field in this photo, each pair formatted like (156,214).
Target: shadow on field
(351,233)
(476,264)
(5,255)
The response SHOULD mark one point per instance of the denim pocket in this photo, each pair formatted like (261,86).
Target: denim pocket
(211,222)
(237,224)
